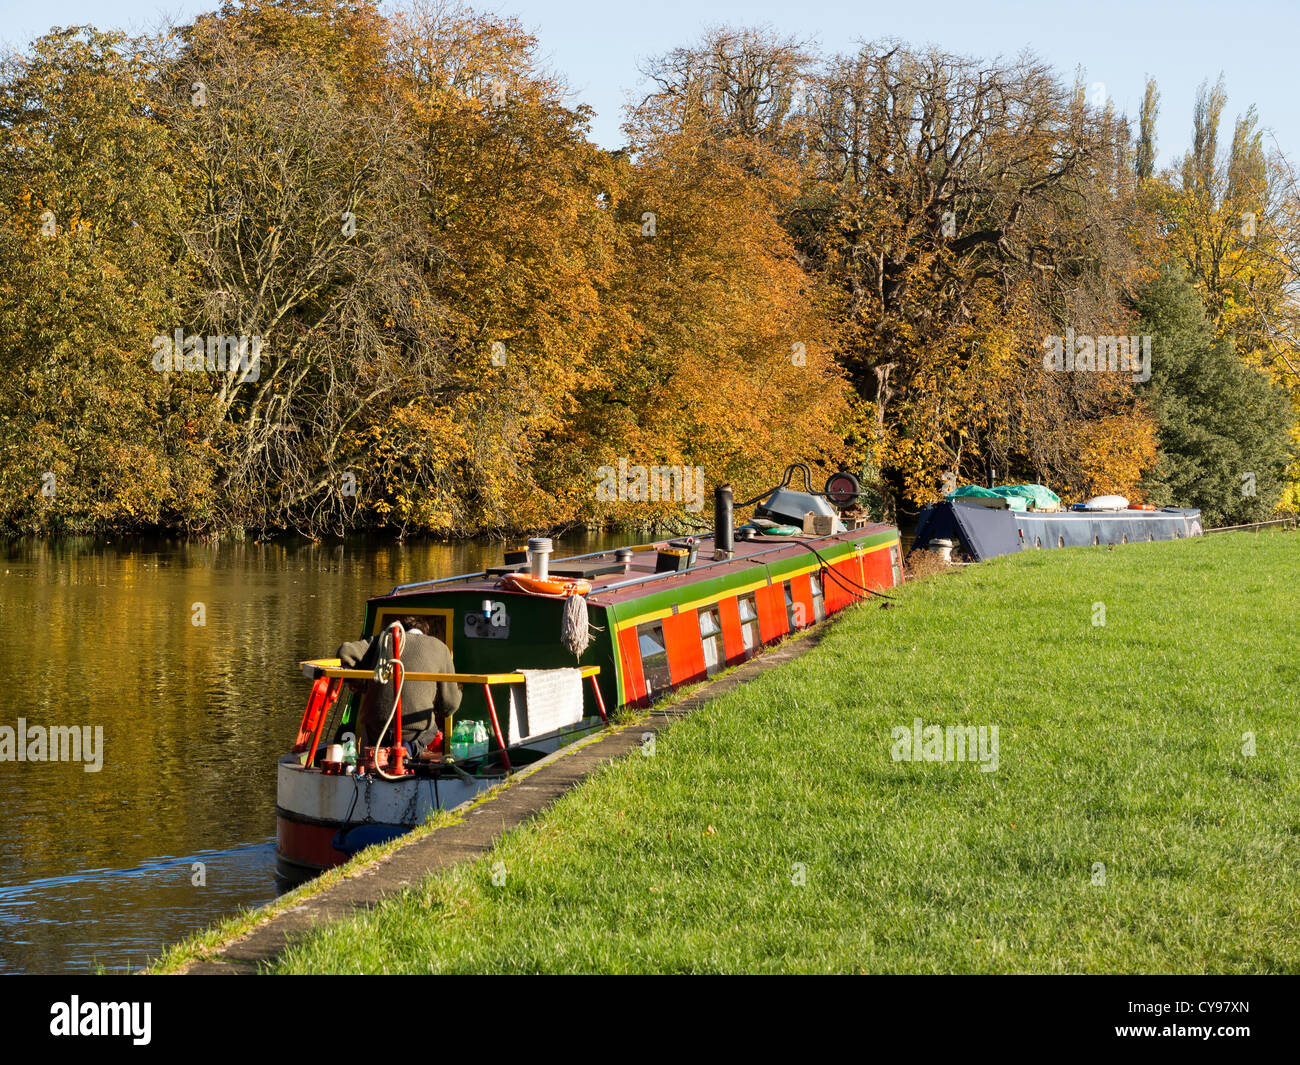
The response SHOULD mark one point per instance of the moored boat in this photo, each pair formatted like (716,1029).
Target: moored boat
(545,649)
(980,532)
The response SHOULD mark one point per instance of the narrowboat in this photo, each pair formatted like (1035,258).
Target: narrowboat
(978,531)
(545,649)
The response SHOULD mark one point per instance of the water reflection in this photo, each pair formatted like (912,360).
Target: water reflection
(194,715)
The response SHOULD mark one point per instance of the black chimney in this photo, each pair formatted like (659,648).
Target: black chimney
(722,521)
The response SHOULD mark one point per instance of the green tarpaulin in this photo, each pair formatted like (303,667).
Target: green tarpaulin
(1018,496)
(1042,497)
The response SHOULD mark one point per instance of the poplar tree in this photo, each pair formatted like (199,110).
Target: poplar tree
(1145,161)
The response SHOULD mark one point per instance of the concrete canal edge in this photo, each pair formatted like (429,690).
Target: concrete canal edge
(483,821)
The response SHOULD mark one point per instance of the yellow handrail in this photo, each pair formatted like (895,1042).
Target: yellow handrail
(313,668)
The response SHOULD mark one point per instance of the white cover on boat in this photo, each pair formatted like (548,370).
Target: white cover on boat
(1106,503)
(552,699)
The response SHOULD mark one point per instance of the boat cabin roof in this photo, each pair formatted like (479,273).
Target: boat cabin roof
(613,583)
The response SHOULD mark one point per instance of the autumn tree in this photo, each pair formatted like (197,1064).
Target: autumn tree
(733,363)
(298,236)
(964,211)
(89,189)
(460,308)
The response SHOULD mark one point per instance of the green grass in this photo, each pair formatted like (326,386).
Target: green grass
(1119,744)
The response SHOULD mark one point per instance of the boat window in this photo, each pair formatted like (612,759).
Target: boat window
(430,622)
(793,618)
(711,638)
(896,559)
(819,604)
(748,622)
(654,657)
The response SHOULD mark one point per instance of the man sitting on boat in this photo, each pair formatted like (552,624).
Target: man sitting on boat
(425,705)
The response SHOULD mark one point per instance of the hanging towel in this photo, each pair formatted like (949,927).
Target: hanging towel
(552,699)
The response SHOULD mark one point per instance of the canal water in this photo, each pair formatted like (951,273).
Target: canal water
(185,655)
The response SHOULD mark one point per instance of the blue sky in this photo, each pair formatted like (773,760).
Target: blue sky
(598,47)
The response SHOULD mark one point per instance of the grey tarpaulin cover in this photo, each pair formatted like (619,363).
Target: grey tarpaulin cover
(985,533)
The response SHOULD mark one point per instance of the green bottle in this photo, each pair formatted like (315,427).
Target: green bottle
(462,739)
(479,745)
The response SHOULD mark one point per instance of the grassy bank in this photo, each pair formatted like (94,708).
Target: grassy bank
(772,830)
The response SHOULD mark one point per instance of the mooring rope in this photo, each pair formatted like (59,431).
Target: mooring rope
(839,578)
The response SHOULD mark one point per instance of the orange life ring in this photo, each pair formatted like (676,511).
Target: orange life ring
(522,582)
(1142,506)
